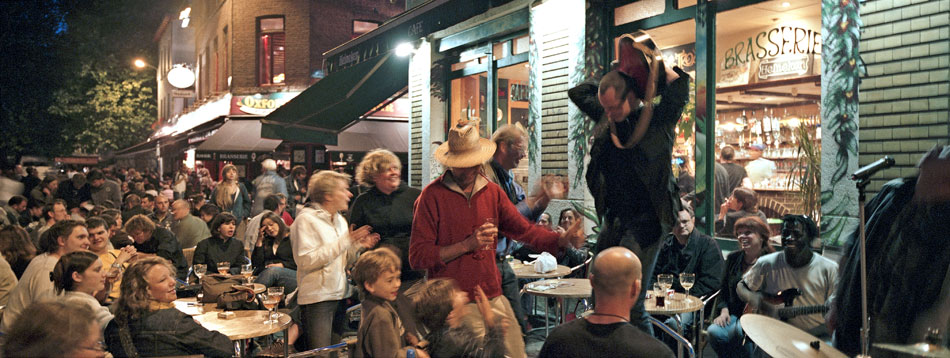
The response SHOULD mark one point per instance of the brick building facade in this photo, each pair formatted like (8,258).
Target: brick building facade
(227,34)
(906,93)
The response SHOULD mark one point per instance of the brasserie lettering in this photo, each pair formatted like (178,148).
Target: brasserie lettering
(783,40)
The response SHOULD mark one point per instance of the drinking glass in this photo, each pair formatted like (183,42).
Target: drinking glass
(271,301)
(665,280)
(246,271)
(687,279)
(486,250)
(200,270)
(223,267)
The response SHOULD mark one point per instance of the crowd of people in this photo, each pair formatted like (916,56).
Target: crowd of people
(94,259)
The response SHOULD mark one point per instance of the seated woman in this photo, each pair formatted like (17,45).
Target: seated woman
(147,324)
(78,276)
(273,256)
(743,202)
(221,246)
(571,257)
(17,248)
(55,329)
(725,336)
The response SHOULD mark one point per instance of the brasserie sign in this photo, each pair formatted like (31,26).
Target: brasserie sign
(775,42)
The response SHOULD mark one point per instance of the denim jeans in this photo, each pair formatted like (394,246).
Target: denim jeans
(278,276)
(727,341)
(318,323)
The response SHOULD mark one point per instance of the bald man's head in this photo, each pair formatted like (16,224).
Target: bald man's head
(180,209)
(614,271)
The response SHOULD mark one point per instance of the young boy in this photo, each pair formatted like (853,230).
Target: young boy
(381,333)
(441,306)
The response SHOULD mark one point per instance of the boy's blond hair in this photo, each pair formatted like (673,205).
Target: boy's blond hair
(373,264)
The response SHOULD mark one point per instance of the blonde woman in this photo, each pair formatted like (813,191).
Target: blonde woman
(230,195)
(323,244)
(386,206)
(147,324)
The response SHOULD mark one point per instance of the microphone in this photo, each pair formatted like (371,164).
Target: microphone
(869,170)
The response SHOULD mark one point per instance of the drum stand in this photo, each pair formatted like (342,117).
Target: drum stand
(865,319)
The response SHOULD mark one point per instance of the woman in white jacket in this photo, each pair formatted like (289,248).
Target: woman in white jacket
(323,245)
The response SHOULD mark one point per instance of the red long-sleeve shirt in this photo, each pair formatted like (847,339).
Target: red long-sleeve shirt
(443,216)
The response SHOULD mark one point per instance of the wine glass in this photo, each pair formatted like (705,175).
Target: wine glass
(665,280)
(200,270)
(687,279)
(271,301)
(223,267)
(247,270)
(485,249)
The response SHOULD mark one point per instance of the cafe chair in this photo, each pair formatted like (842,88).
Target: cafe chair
(682,340)
(707,317)
(353,314)
(583,265)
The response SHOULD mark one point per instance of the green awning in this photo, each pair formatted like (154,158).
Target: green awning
(325,109)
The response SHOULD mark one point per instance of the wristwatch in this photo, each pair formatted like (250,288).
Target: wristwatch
(116,265)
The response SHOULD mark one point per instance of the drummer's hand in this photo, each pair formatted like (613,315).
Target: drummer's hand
(573,236)
(934,175)
(723,319)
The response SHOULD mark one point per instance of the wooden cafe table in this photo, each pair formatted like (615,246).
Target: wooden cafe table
(245,324)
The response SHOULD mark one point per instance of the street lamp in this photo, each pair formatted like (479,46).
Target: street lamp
(140,63)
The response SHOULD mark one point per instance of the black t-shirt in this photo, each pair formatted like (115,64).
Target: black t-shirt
(580,338)
(736,174)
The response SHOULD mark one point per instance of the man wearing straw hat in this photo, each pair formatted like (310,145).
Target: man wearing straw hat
(457,220)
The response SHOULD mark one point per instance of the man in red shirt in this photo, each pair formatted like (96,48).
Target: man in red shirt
(457,220)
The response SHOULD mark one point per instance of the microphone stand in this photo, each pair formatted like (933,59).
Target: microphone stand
(865,319)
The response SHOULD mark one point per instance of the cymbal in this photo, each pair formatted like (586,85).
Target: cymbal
(780,339)
(917,350)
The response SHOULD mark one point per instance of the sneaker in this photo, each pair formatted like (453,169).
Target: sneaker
(275,350)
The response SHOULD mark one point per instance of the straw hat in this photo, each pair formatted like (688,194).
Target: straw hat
(465,148)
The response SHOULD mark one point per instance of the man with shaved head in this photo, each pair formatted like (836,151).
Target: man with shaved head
(615,278)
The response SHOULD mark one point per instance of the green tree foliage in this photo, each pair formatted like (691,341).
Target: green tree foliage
(113,109)
(67,80)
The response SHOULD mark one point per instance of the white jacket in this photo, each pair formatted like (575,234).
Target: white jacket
(322,249)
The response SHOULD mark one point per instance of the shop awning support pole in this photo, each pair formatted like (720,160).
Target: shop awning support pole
(705,152)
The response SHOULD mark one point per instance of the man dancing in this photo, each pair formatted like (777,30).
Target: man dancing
(630,175)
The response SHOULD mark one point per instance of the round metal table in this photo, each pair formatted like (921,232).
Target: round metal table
(559,289)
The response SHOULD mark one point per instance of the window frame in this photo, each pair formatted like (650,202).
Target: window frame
(261,80)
